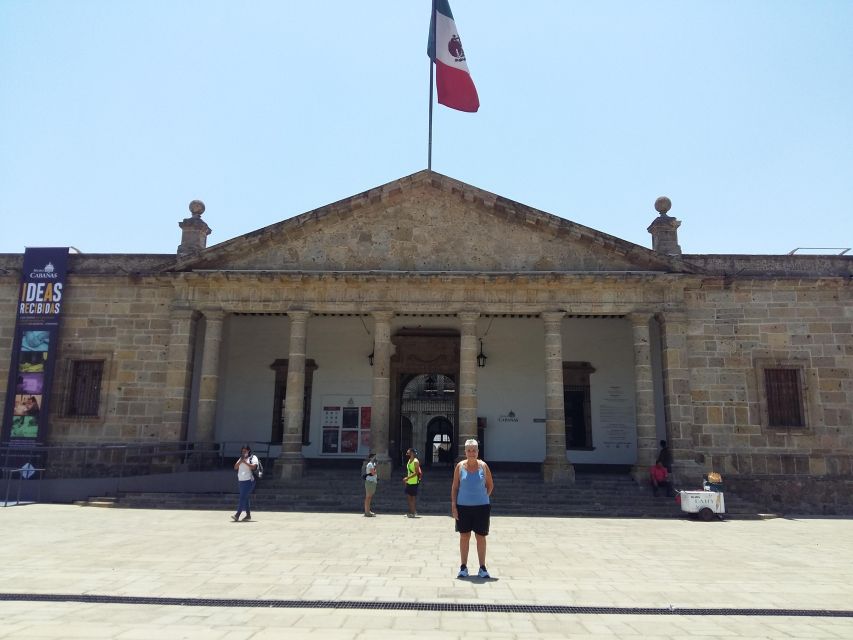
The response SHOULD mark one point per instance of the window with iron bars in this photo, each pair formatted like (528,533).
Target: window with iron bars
(84,393)
(784,398)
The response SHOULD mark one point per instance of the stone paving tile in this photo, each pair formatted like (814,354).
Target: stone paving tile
(793,564)
(237,624)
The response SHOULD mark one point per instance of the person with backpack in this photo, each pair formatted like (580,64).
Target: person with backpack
(368,474)
(246,464)
(411,482)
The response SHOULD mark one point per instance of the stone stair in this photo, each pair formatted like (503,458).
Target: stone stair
(99,501)
(517,493)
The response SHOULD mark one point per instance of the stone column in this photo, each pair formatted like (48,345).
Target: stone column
(209,383)
(556,468)
(291,463)
(644,397)
(381,402)
(178,375)
(467,387)
(678,402)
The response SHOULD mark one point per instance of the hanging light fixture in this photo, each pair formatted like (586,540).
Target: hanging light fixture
(481,357)
(370,358)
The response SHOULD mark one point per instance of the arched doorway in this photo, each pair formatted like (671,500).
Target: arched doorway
(428,417)
(424,372)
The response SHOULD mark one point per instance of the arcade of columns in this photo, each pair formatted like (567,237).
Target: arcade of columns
(555,468)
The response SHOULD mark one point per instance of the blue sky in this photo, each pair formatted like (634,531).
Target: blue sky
(114,114)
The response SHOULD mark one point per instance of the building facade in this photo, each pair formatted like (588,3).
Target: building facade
(426,311)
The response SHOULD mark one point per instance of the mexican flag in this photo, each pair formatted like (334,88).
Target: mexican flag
(453,81)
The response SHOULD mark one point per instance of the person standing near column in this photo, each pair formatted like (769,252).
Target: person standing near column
(370,483)
(245,464)
(411,481)
(469,503)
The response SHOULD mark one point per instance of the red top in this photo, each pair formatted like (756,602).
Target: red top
(659,473)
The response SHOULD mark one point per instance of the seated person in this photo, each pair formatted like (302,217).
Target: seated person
(660,478)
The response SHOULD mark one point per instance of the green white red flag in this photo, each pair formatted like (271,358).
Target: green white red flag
(453,80)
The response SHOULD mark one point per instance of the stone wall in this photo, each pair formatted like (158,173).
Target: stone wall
(793,495)
(736,328)
(784,266)
(124,321)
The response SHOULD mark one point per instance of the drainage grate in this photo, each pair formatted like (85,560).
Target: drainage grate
(419,606)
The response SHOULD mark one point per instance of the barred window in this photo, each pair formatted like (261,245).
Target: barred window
(784,398)
(84,394)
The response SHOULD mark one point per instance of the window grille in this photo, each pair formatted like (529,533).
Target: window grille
(784,398)
(84,398)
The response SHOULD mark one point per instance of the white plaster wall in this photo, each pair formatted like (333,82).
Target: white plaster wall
(608,346)
(513,380)
(246,382)
(339,346)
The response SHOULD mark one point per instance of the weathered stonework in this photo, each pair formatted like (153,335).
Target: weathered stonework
(427,245)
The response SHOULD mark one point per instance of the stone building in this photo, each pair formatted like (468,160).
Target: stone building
(426,311)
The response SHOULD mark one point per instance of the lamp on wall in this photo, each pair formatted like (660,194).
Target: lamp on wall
(481,357)
(370,358)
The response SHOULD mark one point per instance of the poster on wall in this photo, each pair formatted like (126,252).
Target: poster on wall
(617,425)
(39,305)
(346,426)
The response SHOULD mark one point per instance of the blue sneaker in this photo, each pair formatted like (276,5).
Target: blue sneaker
(463,572)
(483,573)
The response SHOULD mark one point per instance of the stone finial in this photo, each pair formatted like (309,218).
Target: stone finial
(664,229)
(194,231)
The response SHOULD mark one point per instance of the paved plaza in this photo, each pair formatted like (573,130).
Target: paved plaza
(311,575)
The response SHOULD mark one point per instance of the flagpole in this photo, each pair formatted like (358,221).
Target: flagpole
(431,73)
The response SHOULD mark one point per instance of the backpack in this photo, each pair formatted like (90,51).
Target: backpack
(258,472)
(364,470)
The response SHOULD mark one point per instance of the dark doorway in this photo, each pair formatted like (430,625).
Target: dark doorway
(577,404)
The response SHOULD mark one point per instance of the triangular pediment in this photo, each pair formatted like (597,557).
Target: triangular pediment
(428,222)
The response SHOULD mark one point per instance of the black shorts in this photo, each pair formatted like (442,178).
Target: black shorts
(473,518)
(411,489)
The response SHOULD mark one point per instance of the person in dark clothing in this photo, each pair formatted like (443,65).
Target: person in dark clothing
(665,456)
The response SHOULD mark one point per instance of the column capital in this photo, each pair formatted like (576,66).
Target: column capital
(382,315)
(640,317)
(468,316)
(213,313)
(298,315)
(553,316)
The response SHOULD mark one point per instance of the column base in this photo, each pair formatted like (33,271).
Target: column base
(290,467)
(560,472)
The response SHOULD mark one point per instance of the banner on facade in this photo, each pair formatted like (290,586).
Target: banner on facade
(40,300)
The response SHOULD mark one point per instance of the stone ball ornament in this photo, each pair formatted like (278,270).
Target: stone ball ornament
(196,207)
(663,205)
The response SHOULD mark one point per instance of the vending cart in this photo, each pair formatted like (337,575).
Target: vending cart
(708,502)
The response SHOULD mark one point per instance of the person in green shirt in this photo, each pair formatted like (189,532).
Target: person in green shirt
(411,482)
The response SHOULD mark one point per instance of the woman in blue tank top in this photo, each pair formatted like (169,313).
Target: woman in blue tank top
(469,503)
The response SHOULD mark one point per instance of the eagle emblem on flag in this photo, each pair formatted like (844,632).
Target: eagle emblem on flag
(455,48)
